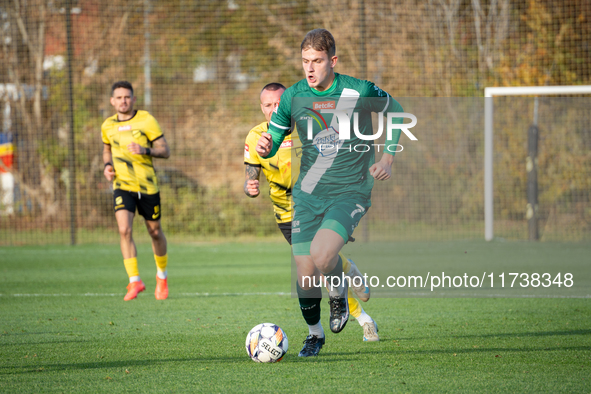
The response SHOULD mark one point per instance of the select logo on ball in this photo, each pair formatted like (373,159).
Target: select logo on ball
(266,343)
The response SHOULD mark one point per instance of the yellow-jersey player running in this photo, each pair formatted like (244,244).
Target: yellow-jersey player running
(131,139)
(281,173)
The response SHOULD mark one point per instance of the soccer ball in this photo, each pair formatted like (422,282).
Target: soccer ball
(266,343)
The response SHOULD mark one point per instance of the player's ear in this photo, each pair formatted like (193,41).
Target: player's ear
(112,101)
(333,61)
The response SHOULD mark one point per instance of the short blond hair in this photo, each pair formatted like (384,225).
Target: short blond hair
(320,40)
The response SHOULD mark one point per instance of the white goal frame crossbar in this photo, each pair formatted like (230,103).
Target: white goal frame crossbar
(488,135)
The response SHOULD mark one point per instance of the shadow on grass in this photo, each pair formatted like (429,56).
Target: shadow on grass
(324,357)
(7,334)
(43,343)
(355,356)
(502,335)
(337,356)
(497,350)
(529,334)
(20,369)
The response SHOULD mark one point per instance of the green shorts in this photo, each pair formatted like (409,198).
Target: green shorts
(311,214)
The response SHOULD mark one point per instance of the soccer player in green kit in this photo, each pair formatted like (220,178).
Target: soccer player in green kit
(333,190)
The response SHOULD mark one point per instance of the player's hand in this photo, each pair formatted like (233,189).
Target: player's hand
(109,172)
(252,187)
(136,149)
(264,145)
(382,170)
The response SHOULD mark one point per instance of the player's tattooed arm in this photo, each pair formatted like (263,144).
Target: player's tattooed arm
(251,183)
(159,149)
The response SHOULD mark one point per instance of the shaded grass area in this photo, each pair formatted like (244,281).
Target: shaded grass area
(65,328)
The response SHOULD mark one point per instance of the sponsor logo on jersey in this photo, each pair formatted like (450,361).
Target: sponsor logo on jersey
(327,142)
(125,128)
(276,106)
(246,151)
(286,144)
(318,105)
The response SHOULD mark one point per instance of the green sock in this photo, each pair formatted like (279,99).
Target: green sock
(310,304)
(337,272)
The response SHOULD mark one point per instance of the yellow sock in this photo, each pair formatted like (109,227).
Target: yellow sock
(346,263)
(354,306)
(161,262)
(131,267)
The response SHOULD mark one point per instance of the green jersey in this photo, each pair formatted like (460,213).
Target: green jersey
(331,166)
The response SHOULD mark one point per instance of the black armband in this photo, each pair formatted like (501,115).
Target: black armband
(148,151)
(108,164)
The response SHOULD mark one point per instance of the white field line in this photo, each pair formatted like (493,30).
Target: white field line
(390,295)
(122,294)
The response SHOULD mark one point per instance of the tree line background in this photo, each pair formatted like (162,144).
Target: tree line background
(198,67)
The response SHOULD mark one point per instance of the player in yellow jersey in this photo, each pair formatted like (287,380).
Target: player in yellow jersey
(131,138)
(281,173)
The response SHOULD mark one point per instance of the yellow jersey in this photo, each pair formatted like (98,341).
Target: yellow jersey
(134,173)
(280,170)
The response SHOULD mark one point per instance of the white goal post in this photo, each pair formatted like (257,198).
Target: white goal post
(488,135)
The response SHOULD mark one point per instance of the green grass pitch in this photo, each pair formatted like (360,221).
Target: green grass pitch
(64,327)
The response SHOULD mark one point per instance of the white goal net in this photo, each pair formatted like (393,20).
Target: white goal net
(563,163)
